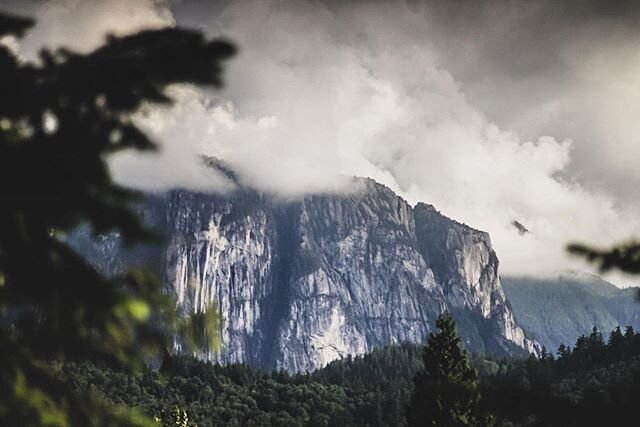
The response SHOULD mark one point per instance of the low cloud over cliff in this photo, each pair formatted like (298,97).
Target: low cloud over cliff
(489,110)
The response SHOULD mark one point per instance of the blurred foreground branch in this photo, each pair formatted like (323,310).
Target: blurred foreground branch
(59,119)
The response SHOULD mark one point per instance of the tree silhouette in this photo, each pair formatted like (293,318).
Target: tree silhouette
(59,118)
(446,392)
(624,257)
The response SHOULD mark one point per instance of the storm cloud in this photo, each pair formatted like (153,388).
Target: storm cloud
(493,111)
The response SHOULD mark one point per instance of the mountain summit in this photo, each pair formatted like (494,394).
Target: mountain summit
(301,283)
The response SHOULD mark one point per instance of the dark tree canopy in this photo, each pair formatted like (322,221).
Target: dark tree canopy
(446,392)
(588,384)
(59,119)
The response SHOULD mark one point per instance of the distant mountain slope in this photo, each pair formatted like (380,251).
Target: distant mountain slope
(557,311)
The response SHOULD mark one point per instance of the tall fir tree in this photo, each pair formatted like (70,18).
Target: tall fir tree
(446,392)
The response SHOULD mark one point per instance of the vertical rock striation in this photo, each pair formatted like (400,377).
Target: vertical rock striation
(220,255)
(466,266)
(356,279)
(304,282)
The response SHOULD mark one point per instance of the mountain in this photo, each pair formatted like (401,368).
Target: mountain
(557,311)
(300,283)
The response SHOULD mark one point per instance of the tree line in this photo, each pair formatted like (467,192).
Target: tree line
(593,381)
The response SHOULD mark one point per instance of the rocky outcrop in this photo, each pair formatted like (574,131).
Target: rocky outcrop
(466,267)
(356,279)
(301,283)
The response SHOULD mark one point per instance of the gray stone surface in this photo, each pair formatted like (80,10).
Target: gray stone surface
(300,283)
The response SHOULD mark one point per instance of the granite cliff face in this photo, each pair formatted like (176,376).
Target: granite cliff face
(301,283)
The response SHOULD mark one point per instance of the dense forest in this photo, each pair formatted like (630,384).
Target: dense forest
(595,382)
(365,390)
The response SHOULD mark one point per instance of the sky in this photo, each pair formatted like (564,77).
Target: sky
(492,111)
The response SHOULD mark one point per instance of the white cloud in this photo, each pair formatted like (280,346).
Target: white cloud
(83,25)
(11,43)
(362,89)
(182,132)
(357,93)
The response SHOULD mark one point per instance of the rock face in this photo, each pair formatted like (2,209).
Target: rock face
(466,267)
(304,282)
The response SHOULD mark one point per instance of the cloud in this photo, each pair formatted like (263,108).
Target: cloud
(83,25)
(454,109)
(567,69)
(182,132)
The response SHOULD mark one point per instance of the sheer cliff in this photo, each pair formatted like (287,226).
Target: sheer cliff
(300,283)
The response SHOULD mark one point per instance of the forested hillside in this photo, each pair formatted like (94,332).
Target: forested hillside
(368,390)
(556,311)
(595,382)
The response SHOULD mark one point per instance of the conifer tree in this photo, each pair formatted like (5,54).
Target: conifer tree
(616,344)
(60,118)
(446,392)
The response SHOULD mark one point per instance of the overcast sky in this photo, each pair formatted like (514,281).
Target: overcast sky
(492,111)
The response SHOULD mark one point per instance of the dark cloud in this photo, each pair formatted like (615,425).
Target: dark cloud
(445,101)
(534,68)
(549,67)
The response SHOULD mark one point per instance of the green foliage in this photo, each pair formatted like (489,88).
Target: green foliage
(446,392)
(59,118)
(202,330)
(592,384)
(174,418)
(370,390)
